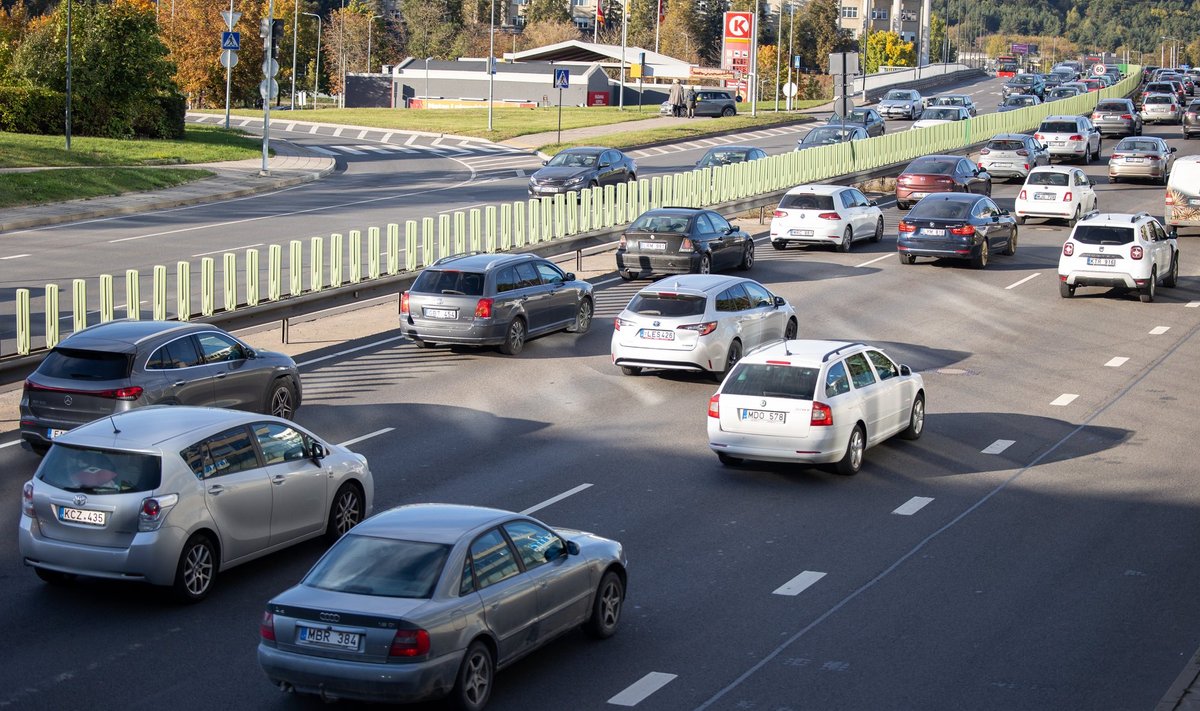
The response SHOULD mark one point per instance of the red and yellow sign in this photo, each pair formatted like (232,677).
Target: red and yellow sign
(737,47)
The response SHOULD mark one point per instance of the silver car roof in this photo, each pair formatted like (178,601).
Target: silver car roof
(150,428)
(696,283)
(432,523)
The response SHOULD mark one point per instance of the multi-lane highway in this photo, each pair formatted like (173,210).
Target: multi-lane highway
(1034,549)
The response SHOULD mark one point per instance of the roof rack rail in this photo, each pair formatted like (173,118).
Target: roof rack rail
(463,255)
(1139,216)
(839,349)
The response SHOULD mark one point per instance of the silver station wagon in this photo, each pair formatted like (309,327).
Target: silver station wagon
(429,600)
(174,495)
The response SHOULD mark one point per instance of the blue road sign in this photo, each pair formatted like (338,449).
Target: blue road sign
(562,78)
(231,40)
(797,61)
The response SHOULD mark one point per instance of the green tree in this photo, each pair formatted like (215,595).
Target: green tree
(547,11)
(888,49)
(710,25)
(939,49)
(828,36)
(430,30)
(642,18)
(679,36)
(14,24)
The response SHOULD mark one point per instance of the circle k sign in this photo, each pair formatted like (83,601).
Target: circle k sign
(738,25)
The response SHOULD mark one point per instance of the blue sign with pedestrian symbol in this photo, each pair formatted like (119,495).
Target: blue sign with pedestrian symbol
(231,40)
(562,78)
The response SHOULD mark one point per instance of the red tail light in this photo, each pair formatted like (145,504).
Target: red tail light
(27,500)
(981,166)
(483,308)
(984,152)
(906,227)
(685,245)
(1023,152)
(779,213)
(1135,252)
(404,303)
(621,243)
(822,415)
(410,643)
(714,406)
(132,392)
(964,230)
(903,178)
(1026,166)
(1127,117)
(944,181)
(1067,197)
(701,328)
(1068,249)
(266,628)
(1037,136)
(618,322)
(829,216)
(1022,197)
(1119,155)
(1170,198)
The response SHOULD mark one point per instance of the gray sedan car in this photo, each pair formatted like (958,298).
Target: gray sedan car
(429,600)
(580,168)
(122,365)
(173,496)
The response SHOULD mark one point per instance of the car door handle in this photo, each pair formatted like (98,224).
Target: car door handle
(216,489)
(180,383)
(278,479)
(220,375)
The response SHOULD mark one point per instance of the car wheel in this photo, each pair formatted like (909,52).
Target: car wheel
(1066,290)
(54,577)
(1011,248)
(790,330)
(1074,219)
(627,275)
(606,608)
(1114,179)
(728,111)
(1148,291)
(632,178)
(1172,277)
(281,402)
(705,264)
(847,240)
(1087,156)
(728,460)
(731,359)
(851,462)
(779,245)
(473,686)
(980,261)
(583,317)
(878,236)
(197,569)
(514,340)
(916,420)
(630,370)
(747,256)
(594,184)
(345,512)
(1164,179)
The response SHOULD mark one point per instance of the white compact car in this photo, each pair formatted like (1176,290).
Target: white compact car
(817,402)
(1119,250)
(1055,192)
(1073,137)
(698,322)
(825,214)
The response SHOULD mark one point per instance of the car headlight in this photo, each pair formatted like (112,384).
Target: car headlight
(576,180)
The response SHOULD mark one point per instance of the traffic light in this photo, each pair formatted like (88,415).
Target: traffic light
(276,37)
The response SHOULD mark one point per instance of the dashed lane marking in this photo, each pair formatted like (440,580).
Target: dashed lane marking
(913,505)
(555,499)
(1159,330)
(367,436)
(1022,281)
(999,445)
(799,584)
(1116,362)
(1064,399)
(641,689)
(872,261)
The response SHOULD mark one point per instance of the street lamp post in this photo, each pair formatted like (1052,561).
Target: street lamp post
(427,59)
(317,73)
(68,115)
(295,34)
(370,26)
(791,44)
(778,54)
(490,59)
(342,52)
(624,38)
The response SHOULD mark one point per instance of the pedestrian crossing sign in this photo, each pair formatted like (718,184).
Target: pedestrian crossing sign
(231,40)
(562,78)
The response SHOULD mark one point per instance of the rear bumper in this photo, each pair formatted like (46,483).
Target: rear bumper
(685,263)
(940,250)
(1052,209)
(906,194)
(1145,170)
(1116,127)
(489,333)
(1012,170)
(334,679)
(1107,279)
(151,557)
(816,448)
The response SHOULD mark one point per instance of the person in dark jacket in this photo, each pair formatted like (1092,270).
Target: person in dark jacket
(691,102)
(675,98)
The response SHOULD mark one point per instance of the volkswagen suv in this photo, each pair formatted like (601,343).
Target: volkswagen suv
(1119,251)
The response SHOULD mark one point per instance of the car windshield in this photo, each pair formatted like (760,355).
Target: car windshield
(78,364)
(99,471)
(806,201)
(1159,100)
(723,157)
(939,166)
(1005,145)
(858,116)
(765,380)
(1048,178)
(1103,234)
(1195,106)
(944,114)
(668,224)
(574,160)
(898,95)
(1059,127)
(1137,145)
(449,281)
(941,210)
(667,304)
(825,136)
(384,567)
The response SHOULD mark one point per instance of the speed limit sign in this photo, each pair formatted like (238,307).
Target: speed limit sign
(1099,69)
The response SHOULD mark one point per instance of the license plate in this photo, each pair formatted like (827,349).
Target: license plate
(654,334)
(653,246)
(92,518)
(441,313)
(1101,262)
(1044,196)
(1000,165)
(1109,117)
(762,415)
(1194,201)
(918,195)
(1135,160)
(801,233)
(324,637)
(55,433)
(1057,143)
(934,232)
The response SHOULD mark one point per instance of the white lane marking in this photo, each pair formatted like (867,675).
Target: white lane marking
(520,173)
(438,141)
(245,122)
(386,137)
(231,249)
(388,147)
(348,351)
(410,140)
(14,256)
(1159,330)
(555,499)
(877,259)
(707,142)
(798,584)
(1192,305)
(362,134)
(291,127)
(319,149)
(9,444)
(356,440)
(348,149)
(1018,283)
(1116,362)
(912,506)
(658,150)
(642,688)
(313,129)
(373,149)
(1064,399)
(998,446)
(338,132)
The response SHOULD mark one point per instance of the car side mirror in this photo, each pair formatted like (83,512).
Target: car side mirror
(317,452)
(873,203)
(780,301)
(1003,211)
(572,548)
(546,162)
(1174,149)
(570,276)
(251,354)
(905,370)
(730,229)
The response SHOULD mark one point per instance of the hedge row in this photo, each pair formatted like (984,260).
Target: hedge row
(38,110)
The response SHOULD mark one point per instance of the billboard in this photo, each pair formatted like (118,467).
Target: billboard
(737,48)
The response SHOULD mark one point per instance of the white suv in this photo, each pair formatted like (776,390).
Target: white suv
(1119,250)
(1070,137)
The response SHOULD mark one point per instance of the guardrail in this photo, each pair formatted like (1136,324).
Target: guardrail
(344,265)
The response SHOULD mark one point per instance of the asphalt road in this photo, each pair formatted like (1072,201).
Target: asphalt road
(1052,567)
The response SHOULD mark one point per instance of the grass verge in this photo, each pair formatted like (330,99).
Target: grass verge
(202,144)
(687,129)
(46,186)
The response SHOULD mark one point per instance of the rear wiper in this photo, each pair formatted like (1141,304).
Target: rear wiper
(454,291)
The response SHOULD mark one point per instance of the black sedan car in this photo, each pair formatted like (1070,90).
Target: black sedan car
(828,135)
(1014,102)
(956,226)
(682,240)
(870,119)
(725,155)
(580,168)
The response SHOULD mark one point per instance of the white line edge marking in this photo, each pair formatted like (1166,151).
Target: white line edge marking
(1016,284)
(14,256)
(9,444)
(799,584)
(555,499)
(877,259)
(998,446)
(1192,305)
(231,249)
(356,440)
(637,692)
(1159,330)
(1064,399)
(913,505)
(1116,362)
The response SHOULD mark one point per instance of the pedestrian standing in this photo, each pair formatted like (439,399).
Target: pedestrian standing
(675,98)
(691,102)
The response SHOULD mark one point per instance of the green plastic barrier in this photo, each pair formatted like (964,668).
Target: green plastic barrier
(52,333)
(78,304)
(183,291)
(355,256)
(229,274)
(24,327)
(252,290)
(275,272)
(160,291)
(107,300)
(295,275)
(133,298)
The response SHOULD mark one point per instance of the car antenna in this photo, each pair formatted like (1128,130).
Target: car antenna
(116,430)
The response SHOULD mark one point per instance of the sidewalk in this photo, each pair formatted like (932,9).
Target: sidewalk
(290,165)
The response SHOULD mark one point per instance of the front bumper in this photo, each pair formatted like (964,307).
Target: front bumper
(897,111)
(333,679)
(544,190)
(151,557)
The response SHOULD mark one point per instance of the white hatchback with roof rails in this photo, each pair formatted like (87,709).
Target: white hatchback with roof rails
(817,402)
(1119,251)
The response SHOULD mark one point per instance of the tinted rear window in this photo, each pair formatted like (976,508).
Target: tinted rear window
(75,364)
(1005,145)
(668,305)
(366,565)
(807,202)
(1111,106)
(98,471)
(1059,127)
(765,380)
(1134,145)
(1103,234)
(941,210)
(447,281)
(1160,100)
(939,166)
(1048,178)
(671,224)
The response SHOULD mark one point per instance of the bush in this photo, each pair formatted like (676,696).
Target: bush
(25,109)
(160,117)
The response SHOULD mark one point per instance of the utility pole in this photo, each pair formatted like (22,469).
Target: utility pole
(624,38)
(491,60)
(295,32)
(68,115)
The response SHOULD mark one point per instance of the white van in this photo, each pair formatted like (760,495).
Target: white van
(1183,194)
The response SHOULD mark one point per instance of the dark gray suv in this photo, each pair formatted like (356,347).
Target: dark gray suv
(494,300)
(121,365)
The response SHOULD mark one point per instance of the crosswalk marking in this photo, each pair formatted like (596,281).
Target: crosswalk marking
(319,149)
(348,149)
(373,149)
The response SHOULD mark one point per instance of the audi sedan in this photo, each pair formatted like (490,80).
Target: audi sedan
(580,168)
(682,240)
(429,600)
(967,227)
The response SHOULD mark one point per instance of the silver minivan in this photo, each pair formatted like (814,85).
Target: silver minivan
(173,495)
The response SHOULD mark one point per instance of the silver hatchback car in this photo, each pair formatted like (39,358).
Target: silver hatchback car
(174,495)
(429,600)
